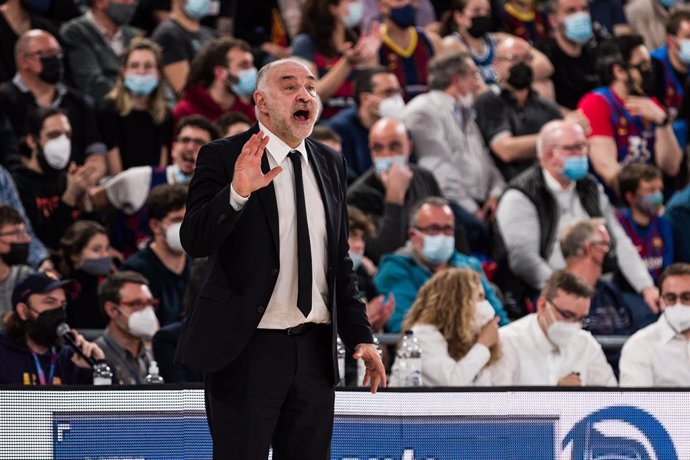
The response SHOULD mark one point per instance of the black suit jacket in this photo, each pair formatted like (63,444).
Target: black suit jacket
(244,256)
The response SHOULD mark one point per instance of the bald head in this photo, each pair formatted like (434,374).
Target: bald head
(266,71)
(388,138)
(512,46)
(32,39)
(555,133)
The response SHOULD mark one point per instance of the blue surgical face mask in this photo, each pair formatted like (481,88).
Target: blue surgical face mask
(197,9)
(179,176)
(141,85)
(684,51)
(356,260)
(578,27)
(246,83)
(384,164)
(652,203)
(438,249)
(403,16)
(355,12)
(575,168)
(668,3)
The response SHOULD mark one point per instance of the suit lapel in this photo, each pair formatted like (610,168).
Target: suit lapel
(267,196)
(323,180)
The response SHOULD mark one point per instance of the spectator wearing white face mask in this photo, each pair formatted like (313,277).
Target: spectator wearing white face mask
(657,356)
(163,261)
(549,347)
(52,189)
(127,302)
(456,327)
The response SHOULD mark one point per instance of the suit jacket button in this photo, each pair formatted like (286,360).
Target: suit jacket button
(221,218)
(260,309)
(274,271)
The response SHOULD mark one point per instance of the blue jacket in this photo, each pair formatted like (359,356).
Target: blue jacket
(678,213)
(403,275)
(17,365)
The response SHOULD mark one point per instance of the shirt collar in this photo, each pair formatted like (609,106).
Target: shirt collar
(553,185)
(101,30)
(667,332)
(60,89)
(538,335)
(278,149)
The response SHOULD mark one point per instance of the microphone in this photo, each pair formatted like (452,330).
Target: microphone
(63,330)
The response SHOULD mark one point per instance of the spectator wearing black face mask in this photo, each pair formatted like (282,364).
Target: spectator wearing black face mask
(14,252)
(628,126)
(30,351)
(17,17)
(52,190)
(510,115)
(87,258)
(38,83)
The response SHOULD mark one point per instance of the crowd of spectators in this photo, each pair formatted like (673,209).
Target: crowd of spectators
(518,176)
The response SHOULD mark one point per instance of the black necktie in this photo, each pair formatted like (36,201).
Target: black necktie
(304,276)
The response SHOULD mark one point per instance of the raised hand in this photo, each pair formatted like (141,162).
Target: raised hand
(248,176)
(396,181)
(646,108)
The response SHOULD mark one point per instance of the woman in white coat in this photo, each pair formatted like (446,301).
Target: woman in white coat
(456,328)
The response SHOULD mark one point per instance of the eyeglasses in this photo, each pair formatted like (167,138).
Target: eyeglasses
(139,304)
(437,229)
(581,148)
(19,233)
(605,244)
(671,298)
(40,54)
(569,316)
(194,140)
(642,67)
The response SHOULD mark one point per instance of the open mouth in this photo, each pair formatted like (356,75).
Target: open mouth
(301,115)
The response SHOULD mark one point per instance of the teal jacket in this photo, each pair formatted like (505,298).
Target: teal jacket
(403,274)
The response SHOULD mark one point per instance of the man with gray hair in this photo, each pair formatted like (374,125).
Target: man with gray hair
(268,207)
(542,201)
(584,245)
(447,139)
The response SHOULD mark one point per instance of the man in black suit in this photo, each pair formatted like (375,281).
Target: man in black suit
(268,208)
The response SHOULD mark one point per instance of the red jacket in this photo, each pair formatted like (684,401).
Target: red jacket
(197,101)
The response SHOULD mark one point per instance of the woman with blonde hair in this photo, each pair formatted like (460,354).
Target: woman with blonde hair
(456,327)
(135,120)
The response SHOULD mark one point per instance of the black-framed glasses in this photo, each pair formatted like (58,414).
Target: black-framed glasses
(569,316)
(194,140)
(434,229)
(671,298)
(40,54)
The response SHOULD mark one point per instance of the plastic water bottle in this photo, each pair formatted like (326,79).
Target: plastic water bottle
(153,375)
(340,348)
(413,356)
(102,375)
(361,368)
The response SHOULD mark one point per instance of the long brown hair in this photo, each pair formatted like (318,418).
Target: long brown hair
(448,302)
(123,98)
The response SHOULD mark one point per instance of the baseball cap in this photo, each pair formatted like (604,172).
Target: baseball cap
(40,283)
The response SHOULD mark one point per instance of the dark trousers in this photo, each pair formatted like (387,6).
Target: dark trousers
(278,392)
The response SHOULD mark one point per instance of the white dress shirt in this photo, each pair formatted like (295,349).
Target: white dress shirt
(518,222)
(656,356)
(529,357)
(439,369)
(282,311)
